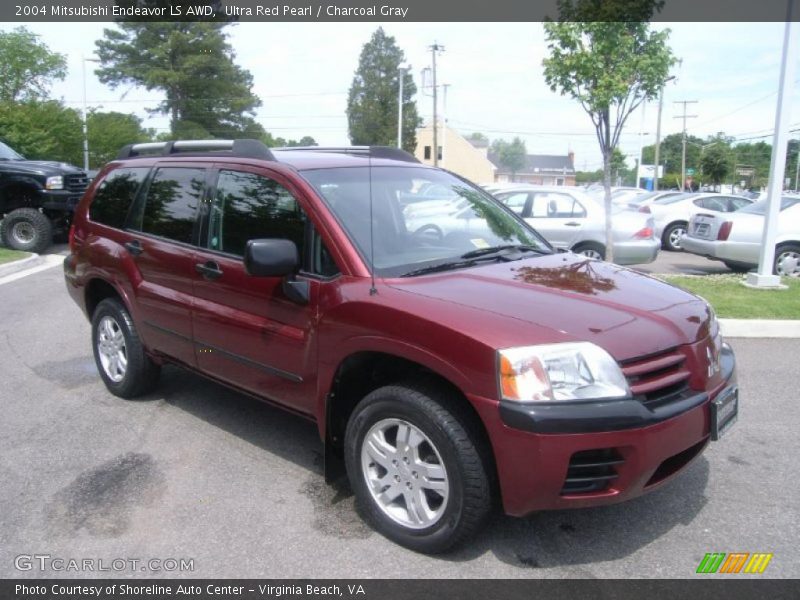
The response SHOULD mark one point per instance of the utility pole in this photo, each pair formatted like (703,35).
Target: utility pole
(797,168)
(434,49)
(658,131)
(684,116)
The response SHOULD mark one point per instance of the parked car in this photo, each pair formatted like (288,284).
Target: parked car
(442,371)
(640,200)
(37,199)
(735,239)
(573,220)
(671,214)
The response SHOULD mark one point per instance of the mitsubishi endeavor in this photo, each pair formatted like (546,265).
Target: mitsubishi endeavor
(447,365)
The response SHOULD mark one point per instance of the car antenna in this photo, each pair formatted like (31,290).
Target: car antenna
(372,289)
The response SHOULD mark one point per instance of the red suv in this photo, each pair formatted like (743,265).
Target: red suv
(448,354)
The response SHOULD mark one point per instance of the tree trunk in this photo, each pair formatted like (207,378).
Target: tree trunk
(607,205)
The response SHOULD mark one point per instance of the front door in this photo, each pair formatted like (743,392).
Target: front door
(247,331)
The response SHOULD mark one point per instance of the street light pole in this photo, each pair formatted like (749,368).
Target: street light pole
(658,131)
(86,115)
(402,70)
(434,49)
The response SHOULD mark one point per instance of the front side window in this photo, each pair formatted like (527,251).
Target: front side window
(170,208)
(556,206)
(247,206)
(399,229)
(115,196)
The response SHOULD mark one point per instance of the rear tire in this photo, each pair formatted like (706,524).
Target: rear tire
(784,255)
(27,230)
(119,354)
(416,469)
(591,250)
(671,240)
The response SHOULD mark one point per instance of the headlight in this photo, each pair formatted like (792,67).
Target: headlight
(553,372)
(55,183)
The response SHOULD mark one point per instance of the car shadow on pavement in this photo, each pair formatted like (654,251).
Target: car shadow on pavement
(543,540)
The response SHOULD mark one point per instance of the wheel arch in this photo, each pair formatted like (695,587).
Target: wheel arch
(363,371)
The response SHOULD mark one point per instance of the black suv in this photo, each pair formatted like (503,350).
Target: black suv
(37,199)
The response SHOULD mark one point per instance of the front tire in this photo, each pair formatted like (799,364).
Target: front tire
(27,230)
(119,354)
(415,468)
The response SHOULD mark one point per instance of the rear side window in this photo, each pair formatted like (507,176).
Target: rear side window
(115,195)
(170,208)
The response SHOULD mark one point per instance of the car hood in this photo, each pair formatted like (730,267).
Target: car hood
(39,167)
(564,297)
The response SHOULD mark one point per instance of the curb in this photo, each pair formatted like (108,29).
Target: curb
(34,260)
(759,328)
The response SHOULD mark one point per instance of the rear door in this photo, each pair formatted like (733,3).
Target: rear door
(248,332)
(162,230)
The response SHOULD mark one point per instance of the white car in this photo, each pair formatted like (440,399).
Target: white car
(569,218)
(671,214)
(735,239)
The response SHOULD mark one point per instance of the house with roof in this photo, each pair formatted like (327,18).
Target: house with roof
(456,154)
(539,169)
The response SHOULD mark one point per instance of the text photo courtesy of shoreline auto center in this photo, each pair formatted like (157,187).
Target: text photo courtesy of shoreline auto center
(415,299)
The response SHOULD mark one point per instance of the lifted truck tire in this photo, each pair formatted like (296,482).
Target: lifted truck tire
(27,229)
(416,469)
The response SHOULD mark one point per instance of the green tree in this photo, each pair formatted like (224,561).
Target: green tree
(605,56)
(372,99)
(27,66)
(110,131)
(192,63)
(510,155)
(619,168)
(43,130)
(670,152)
(478,139)
(715,163)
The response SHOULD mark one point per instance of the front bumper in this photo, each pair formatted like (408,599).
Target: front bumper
(535,449)
(636,252)
(60,200)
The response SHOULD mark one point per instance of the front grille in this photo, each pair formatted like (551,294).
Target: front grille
(658,379)
(591,471)
(76,182)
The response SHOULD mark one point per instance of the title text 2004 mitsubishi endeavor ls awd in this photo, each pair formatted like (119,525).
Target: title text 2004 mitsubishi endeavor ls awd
(447,362)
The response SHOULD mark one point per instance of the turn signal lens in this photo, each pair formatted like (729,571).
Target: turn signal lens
(645,209)
(724,231)
(644,234)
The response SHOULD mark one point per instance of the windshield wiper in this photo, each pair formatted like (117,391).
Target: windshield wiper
(500,250)
(473,257)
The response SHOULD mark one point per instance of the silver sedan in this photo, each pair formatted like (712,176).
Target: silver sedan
(571,219)
(735,239)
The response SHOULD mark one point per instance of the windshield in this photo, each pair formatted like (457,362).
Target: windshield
(672,199)
(421,217)
(7,153)
(760,208)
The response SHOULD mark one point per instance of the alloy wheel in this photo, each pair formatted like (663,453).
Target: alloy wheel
(111,349)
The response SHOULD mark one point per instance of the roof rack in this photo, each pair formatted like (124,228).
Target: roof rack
(373,151)
(241,148)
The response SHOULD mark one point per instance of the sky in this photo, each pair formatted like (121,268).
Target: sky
(302,72)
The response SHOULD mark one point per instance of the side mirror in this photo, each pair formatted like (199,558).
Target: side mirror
(270,258)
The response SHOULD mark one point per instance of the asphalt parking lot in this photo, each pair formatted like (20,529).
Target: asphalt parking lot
(195,471)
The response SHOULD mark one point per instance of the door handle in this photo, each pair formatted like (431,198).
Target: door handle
(209,269)
(572,224)
(134,247)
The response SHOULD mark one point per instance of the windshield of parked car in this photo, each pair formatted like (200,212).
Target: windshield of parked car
(7,153)
(649,196)
(760,207)
(420,217)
